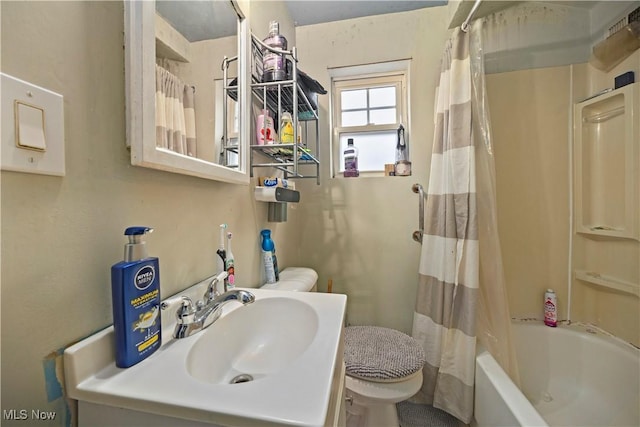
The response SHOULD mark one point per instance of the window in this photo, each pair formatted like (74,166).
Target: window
(368,108)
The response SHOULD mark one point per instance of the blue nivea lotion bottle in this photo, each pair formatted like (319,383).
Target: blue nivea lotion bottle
(135,289)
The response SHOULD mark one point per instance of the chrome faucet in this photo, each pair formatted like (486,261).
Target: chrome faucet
(192,319)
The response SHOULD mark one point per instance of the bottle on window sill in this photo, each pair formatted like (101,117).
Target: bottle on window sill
(402,165)
(351,160)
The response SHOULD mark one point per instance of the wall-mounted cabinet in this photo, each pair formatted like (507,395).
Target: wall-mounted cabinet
(181,140)
(606,153)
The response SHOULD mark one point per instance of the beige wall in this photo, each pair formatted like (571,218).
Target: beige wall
(357,232)
(530,116)
(262,12)
(61,235)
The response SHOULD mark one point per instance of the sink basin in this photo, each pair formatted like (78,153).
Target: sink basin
(254,341)
(288,343)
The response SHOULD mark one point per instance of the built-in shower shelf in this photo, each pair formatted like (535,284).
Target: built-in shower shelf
(604,115)
(607,159)
(608,282)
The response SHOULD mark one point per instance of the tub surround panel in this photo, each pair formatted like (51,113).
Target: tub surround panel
(530,113)
(531,122)
(611,310)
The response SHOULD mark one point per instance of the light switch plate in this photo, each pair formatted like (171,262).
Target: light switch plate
(29,126)
(27,145)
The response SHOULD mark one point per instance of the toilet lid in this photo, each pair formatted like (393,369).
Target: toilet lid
(299,279)
(375,353)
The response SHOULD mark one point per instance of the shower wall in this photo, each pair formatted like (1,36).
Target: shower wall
(357,232)
(530,112)
(531,117)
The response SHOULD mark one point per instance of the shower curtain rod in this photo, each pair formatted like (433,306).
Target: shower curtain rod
(465,25)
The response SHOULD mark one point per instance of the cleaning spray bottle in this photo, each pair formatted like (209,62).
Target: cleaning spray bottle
(221,260)
(229,265)
(135,289)
(269,257)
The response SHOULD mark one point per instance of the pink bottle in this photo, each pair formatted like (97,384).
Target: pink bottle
(550,308)
(264,128)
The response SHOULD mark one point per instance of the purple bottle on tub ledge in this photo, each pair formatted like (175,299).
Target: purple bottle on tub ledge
(550,308)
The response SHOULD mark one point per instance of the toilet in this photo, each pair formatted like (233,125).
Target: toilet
(300,279)
(383,366)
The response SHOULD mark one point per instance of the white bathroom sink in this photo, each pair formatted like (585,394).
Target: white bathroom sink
(288,342)
(253,342)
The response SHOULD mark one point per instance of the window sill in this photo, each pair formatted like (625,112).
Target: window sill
(369,174)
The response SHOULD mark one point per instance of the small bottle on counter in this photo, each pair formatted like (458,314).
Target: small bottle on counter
(269,257)
(135,289)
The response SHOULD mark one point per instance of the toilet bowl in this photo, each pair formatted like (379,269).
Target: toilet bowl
(383,366)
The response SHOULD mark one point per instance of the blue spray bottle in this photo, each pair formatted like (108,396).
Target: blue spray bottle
(135,289)
(269,257)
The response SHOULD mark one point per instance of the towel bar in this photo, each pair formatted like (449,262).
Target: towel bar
(417,235)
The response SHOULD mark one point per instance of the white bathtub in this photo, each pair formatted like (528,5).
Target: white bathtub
(570,375)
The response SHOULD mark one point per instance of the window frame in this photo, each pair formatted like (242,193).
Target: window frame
(393,73)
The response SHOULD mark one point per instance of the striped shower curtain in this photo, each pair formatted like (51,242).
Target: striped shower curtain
(445,312)
(175,114)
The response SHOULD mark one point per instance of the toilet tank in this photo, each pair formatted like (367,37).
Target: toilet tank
(300,279)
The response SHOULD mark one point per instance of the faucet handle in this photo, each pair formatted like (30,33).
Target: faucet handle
(211,293)
(212,290)
(186,310)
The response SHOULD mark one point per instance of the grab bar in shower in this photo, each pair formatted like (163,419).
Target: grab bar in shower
(417,235)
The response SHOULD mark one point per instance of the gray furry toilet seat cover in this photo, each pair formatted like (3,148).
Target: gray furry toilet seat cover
(381,354)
